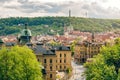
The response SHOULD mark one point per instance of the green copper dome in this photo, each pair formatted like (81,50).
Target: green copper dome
(26,32)
(25,36)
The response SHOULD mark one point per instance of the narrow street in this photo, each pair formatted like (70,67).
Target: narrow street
(77,72)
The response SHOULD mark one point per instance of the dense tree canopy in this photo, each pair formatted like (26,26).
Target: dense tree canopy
(52,25)
(19,63)
(106,65)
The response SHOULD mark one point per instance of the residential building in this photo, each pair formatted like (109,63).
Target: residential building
(87,49)
(55,59)
(48,59)
(63,57)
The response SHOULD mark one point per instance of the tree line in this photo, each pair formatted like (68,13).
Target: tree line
(13,25)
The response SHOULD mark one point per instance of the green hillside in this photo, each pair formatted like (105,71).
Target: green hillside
(53,25)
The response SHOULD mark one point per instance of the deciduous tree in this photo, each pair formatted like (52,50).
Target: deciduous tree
(19,63)
(106,65)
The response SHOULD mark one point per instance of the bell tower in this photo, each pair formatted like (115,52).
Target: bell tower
(25,36)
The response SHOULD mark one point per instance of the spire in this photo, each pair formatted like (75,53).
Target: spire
(93,37)
(26,25)
(86,14)
(70,27)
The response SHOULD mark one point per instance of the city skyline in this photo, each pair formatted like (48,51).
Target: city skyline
(79,8)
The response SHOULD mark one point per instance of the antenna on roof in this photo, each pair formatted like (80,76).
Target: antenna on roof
(86,14)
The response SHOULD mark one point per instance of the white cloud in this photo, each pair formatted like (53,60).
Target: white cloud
(30,8)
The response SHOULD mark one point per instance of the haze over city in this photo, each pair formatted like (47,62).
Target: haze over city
(79,8)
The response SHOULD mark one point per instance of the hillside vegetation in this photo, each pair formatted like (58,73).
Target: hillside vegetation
(53,25)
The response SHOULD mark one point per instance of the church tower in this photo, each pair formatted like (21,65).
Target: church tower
(25,36)
(93,37)
(1,42)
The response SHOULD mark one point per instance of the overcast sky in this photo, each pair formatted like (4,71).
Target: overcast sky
(79,8)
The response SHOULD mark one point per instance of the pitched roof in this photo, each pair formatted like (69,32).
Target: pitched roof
(10,44)
(40,50)
(60,48)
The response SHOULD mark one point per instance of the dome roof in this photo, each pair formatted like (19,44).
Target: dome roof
(26,32)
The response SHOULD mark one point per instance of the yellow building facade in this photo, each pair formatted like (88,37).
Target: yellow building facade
(49,63)
(54,60)
(63,60)
(86,50)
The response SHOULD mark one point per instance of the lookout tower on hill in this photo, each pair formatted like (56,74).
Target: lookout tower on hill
(68,28)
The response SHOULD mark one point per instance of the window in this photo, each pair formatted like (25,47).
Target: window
(56,67)
(38,59)
(50,60)
(60,67)
(50,68)
(60,55)
(64,60)
(64,55)
(50,75)
(64,67)
(44,66)
(60,61)
(45,61)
